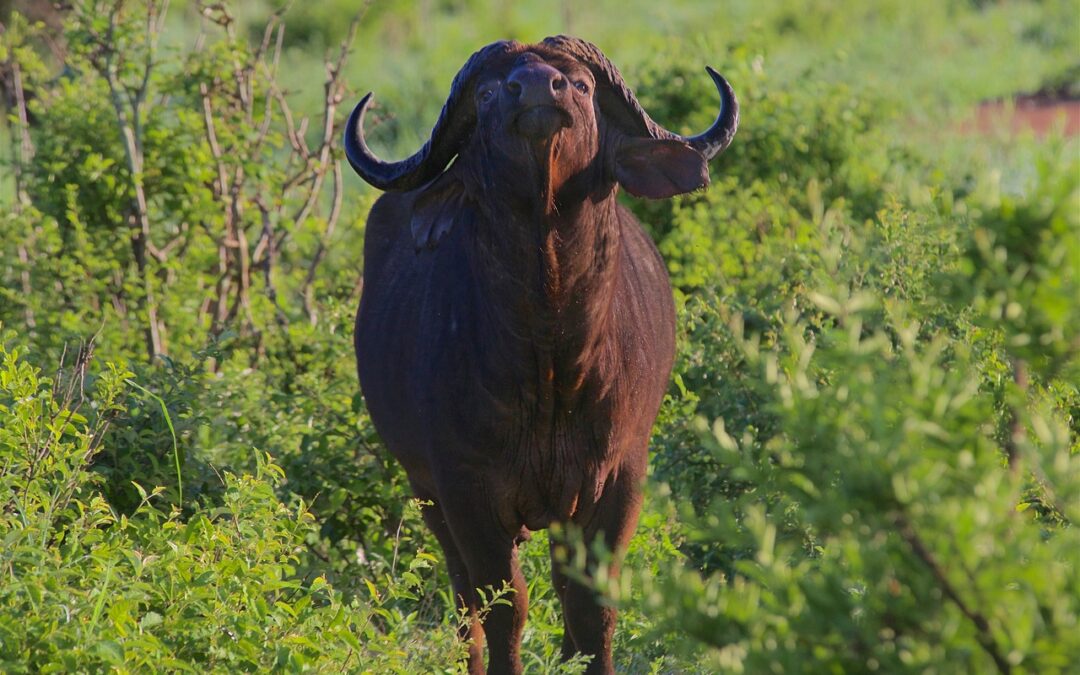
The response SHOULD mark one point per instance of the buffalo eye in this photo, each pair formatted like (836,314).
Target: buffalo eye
(487,94)
(582,86)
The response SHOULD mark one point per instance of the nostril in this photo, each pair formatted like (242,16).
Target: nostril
(558,83)
(513,87)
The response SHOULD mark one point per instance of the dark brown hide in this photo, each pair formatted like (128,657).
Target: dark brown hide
(516,331)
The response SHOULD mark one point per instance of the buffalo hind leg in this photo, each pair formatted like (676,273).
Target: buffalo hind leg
(490,557)
(589,624)
(464,594)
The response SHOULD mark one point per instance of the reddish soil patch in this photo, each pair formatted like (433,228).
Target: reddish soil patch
(1038,114)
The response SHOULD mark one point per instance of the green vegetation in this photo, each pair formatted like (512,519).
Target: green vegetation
(869,458)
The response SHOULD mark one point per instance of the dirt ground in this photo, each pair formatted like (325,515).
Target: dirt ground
(1037,114)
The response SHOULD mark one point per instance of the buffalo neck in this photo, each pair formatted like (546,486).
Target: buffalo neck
(553,265)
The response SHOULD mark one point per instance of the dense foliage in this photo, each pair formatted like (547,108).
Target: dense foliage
(868,458)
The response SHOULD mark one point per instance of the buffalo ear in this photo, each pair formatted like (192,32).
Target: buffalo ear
(656,169)
(440,204)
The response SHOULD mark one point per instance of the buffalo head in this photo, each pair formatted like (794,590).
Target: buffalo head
(558,112)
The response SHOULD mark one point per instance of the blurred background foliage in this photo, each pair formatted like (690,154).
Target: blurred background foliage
(867,460)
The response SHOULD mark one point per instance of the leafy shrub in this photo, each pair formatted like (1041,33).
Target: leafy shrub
(215,589)
(867,457)
(905,478)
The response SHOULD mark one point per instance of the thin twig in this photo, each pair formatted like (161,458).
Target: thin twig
(983,634)
(320,251)
(130,126)
(1016,425)
(23,153)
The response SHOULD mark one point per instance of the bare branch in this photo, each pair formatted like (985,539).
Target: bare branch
(130,127)
(267,264)
(211,139)
(334,93)
(320,251)
(1016,426)
(983,634)
(26,144)
(27,286)
(22,154)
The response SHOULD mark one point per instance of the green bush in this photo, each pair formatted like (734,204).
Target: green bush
(211,588)
(902,465)
(866,460)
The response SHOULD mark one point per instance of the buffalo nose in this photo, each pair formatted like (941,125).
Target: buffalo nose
(536,84)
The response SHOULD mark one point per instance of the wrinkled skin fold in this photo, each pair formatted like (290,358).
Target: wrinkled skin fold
(516,332)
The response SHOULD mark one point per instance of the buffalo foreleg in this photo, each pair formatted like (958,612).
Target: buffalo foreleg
(490,557)
(464,593)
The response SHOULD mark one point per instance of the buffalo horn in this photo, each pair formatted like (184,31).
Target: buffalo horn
(710,143)
(451,129)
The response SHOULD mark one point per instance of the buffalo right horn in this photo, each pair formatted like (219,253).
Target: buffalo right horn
(450,131)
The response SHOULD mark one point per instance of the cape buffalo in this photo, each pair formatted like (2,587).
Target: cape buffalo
(516,331)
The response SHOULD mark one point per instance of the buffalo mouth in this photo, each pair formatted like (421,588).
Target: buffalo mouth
(542,121)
